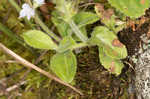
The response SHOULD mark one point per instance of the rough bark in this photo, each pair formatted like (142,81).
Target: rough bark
(142,70)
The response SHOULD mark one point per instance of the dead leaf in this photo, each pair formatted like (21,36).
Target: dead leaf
(117,43)
(142,1)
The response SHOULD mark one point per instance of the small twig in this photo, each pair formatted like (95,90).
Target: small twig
(40,57)
(87,4)
(130,65)
(11,61)
(15,86)
(36,62)
(23,78)
(30,65)
(7,90)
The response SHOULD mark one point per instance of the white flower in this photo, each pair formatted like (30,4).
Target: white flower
(27,11)
(39,2)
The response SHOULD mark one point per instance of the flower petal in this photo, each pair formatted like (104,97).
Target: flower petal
(26,11)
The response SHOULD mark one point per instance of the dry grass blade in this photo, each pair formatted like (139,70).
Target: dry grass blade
(32,66)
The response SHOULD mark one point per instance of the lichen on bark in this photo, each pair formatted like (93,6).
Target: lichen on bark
(142,70)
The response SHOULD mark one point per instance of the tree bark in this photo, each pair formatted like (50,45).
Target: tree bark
(142,71)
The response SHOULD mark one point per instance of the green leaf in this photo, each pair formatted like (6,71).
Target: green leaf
(38,39)
(66,8)
(64,65)
(113,65)
(132,8)
(85,18)
(62,27)
(66,44)
(81,19)
(103,37)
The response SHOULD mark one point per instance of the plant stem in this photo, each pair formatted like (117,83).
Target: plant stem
(46,29)
(9,33)
(77,32)
(80,45)
(15,37)
(32,66)
(15,86)
(14,4)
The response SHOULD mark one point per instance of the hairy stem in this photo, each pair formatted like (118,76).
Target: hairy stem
(46,29)
(77,32)
(80,45)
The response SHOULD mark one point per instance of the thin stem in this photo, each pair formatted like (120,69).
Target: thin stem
(32,66)
(87,4)
(14,4)
(80,45)
(15,86)
(46,29)
(77,32)
(9,33)
(15,37)
(29,2)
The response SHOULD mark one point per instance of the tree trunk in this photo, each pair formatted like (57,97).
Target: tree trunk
(142,70)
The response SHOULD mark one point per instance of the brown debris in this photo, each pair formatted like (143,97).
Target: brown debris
(117,43)
(112,68)
(142,1)
(105,14)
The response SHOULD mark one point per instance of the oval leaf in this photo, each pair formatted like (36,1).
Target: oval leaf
(62,27)
(38,39)
(64,65)
(85,18)
(132,8)
(113,65)
(107,39)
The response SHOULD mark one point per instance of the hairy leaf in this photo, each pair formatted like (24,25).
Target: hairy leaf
(103,37)
(113,65)
(64,65)
(38,39)
(132,8)
(85,18)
